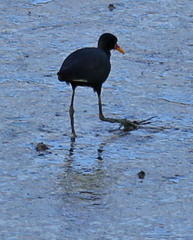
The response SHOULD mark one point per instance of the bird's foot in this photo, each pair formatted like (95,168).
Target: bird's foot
(127,124)
(132,125)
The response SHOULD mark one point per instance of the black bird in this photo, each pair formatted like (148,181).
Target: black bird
(89,67)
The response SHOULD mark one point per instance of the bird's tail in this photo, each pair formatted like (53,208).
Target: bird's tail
(60,77)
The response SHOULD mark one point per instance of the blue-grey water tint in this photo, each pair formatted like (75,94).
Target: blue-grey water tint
(90,189)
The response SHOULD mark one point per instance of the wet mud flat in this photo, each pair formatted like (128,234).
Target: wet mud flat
(108,184)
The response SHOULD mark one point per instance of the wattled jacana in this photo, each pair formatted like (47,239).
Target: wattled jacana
(89,67)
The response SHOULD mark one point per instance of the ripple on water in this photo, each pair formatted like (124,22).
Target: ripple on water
(38,2)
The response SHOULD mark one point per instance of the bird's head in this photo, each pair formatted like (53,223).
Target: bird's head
(108,42)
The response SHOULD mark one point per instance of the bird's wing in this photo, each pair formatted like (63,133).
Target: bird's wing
(88,64)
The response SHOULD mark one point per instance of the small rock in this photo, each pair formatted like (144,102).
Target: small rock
(111,7)
(141,175)
(41,147)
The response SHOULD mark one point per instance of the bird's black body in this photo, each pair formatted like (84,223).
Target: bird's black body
(86,67)
(89,67)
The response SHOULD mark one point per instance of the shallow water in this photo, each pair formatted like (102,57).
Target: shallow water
(89,189)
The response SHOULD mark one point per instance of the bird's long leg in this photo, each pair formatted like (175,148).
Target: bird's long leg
(101,116)
(71,111)
(129,125)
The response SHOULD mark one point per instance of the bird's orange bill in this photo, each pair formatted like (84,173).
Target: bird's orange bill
(118,48)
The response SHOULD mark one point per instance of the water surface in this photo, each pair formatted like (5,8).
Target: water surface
(89,189)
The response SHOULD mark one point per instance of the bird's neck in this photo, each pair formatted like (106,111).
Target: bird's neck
(107,51)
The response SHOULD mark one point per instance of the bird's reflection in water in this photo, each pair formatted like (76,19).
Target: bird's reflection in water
(117,134)
(100,151)
(71,150)
(73,147)
(84,178)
